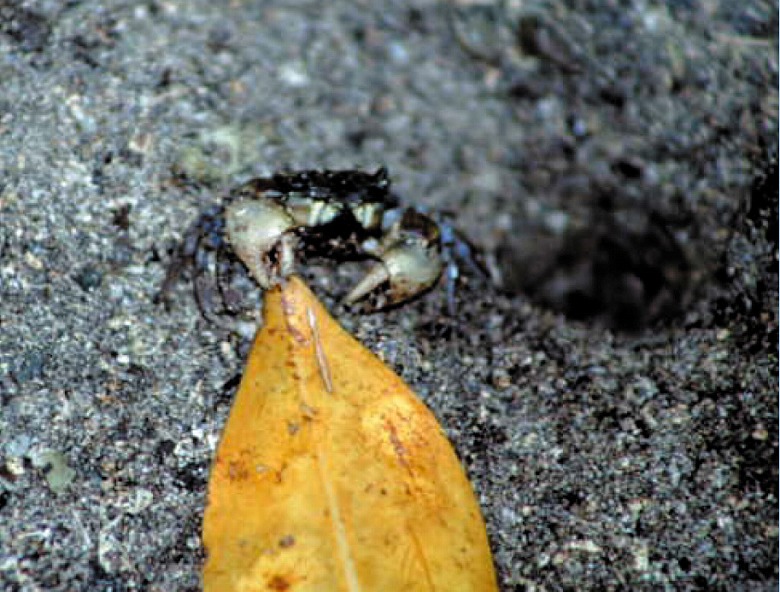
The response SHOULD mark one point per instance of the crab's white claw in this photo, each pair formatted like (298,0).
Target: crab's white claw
(255,229)
(408,267)
(370,282)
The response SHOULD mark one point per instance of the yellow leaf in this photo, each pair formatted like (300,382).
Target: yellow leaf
(332,476)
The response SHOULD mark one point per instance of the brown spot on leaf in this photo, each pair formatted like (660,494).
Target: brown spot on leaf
(237,470)
(299,337)
(278,583)
(398,446)
(307,411)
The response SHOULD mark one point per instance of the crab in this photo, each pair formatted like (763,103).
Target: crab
(267,222)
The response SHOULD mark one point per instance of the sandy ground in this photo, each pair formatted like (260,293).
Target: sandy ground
(612,390)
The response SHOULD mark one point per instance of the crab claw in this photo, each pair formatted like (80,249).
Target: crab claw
(259,231)
(410,262)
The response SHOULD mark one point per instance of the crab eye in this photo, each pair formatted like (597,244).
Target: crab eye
(368,215)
